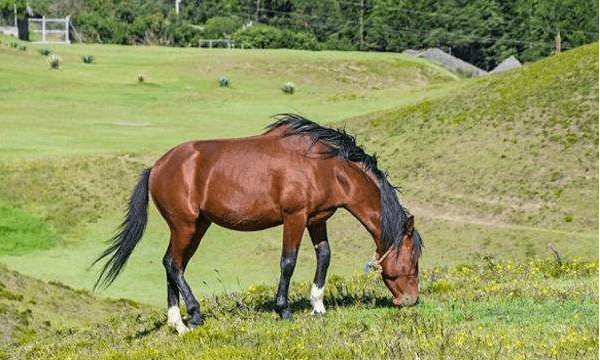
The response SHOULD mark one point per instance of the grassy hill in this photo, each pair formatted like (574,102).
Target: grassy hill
(75,139)
(509,161)
(540,309)
(493,168)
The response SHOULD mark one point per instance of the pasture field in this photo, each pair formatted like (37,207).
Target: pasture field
(491,310)
(74,140)
(493,168)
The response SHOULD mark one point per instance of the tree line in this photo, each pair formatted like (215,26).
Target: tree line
(482,32)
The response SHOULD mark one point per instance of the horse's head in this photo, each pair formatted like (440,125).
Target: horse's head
(400,267)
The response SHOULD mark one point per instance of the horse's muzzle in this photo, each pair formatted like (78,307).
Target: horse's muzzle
(406,300)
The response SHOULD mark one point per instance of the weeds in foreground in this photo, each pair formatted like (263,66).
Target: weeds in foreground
(538,309)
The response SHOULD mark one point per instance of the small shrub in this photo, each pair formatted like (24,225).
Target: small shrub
(54,61)
(45,52)
(259,36)
(288,88)
(223,81)
(14,44)
(141,78)
(221,26)
(23,47)
(88,59)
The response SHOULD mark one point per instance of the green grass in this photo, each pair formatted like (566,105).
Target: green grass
(493,169)
(22,233)
(75,139)
(518,148)
(504,310)
(87,109)
(477,188)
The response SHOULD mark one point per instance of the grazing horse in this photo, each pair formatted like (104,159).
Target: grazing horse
(297,174)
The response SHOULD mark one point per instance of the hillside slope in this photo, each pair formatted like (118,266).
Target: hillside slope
(539,309)
(511,150)
(495,168)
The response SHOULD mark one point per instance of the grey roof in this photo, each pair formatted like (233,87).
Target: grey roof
(448,61)
(507,64)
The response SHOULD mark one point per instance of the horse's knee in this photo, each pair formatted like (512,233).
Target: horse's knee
(168,263)
(323,251)
(287,264)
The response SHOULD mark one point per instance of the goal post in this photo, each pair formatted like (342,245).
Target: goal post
(47,31)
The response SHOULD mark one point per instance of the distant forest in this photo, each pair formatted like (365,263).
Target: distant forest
(482,32)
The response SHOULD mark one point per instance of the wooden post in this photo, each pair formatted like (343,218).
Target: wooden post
(360,25)
(43,29)
(67,22)
(557,43)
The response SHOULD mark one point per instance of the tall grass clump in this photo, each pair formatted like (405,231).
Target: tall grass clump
(288,88)
(87,58)
(223,81)
(54,61)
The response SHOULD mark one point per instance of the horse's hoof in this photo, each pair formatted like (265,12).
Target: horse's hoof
(182,329)
(286,314)
(317,312)
(195,321)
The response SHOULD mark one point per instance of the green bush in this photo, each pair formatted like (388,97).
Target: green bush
(300,40)
(259,36)
(157,28)
(270,37)
(180,32)
(221,27)
(45,51)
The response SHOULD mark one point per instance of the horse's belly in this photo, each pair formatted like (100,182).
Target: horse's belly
(243,213)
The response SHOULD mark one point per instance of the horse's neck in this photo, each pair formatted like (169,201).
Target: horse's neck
(364,203)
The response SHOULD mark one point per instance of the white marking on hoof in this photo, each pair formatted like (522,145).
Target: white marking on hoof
(175,321)
(316,299)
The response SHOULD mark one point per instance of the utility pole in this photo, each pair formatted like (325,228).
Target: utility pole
(257,9)
(360,25)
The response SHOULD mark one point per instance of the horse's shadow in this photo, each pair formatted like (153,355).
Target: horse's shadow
(298,305)
(303,304)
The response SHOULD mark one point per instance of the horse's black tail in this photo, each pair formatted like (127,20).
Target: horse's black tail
(131,231)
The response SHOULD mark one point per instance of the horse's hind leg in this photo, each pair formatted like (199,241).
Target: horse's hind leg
(185,239)
(318,235)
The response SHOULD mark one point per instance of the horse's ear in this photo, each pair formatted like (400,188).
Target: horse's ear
(409,227)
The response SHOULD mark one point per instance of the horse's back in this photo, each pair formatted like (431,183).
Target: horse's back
(245,184)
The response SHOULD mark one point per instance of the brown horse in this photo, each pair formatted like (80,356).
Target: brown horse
(296,174)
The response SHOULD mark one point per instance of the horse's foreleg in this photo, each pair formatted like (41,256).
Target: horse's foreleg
(293,227)
(318,235)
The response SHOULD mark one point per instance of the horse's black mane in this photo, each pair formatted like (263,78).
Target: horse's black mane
(393,215)
(339,142)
